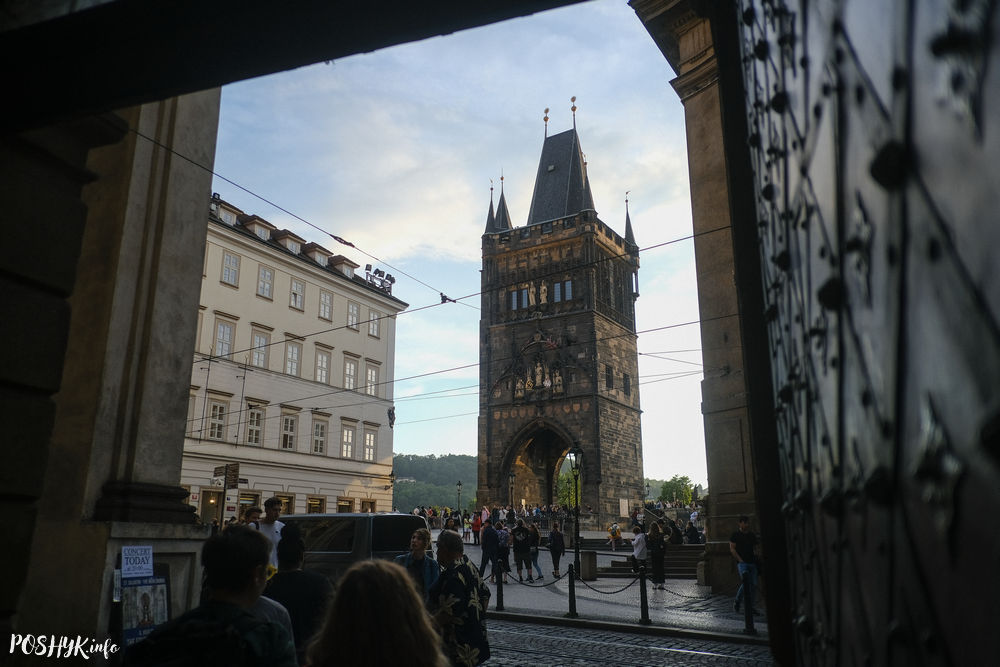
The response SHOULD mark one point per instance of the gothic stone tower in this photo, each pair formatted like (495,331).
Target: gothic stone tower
(558,363)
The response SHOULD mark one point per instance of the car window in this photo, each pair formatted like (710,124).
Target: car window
(331,534)
(392,533)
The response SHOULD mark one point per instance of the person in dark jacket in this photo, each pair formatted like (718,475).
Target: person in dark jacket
(422,568)
(657,548)
(557,547)
(491,547)
(304,594)
(521,537)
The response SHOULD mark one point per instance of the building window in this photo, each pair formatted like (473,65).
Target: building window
(373,322)
(371,443)
(223,338)
(347,441)
(217,420)
(350,373)
(322,367)
(227,217)
(297,299)
(325,305)
(563,290)
(371,380)
(265,282)
(353,315)
(255,426)
(293,354)
(263,233)
(319,437)
(609,377)
(288,424)
(231,268)
(315,505)
(261,344)
(345,505)
(524,297)
(627,384)
(367,506)
(513,299)
(293,246)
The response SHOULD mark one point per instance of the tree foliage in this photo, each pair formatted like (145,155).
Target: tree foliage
(678,487)
(435,479)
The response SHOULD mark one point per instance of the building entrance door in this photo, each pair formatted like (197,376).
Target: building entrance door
(211,505)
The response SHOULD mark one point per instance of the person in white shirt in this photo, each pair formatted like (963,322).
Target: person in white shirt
(638,548)
(271,527)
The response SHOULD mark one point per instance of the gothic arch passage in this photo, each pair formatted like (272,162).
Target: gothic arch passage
(535,458)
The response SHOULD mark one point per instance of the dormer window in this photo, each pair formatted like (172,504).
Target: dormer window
(227,217)
(262,232)
(293,246)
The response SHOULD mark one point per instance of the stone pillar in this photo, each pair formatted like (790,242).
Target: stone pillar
(685,38)
(115,452)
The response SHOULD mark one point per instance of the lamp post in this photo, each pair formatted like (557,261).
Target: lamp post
(510,487)
(459,487)
(575,455)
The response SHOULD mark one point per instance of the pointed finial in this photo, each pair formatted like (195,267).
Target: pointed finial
(501,180)
(546,119)
(573,109)
(626,199)
(491,191)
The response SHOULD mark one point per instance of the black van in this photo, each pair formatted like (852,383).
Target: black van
(335,541)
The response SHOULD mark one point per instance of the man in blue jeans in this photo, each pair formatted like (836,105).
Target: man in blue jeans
(743,547)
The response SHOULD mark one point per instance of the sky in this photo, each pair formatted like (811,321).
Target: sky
(396,152)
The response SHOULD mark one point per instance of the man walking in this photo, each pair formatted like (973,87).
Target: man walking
(743,547)
(491,548)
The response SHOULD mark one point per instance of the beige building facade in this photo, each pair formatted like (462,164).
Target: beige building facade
(292,375)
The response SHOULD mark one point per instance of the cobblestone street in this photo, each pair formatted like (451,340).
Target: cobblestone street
(549,645)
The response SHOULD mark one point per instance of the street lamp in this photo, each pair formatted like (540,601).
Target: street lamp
(575,455)
(459,487)
(510,487)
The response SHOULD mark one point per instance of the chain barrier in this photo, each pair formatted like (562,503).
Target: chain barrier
(597,590)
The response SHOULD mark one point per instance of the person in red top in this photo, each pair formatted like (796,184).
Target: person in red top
(477,524)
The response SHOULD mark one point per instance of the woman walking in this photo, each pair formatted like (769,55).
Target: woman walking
(557,547)
(657,548)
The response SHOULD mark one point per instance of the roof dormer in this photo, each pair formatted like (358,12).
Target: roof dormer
(291,242)
(344,265)
(317,253)
(257,226)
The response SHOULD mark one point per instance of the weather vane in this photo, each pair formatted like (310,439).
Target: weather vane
(573,109)
(546,119)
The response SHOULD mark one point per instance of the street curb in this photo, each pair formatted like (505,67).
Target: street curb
(591,624)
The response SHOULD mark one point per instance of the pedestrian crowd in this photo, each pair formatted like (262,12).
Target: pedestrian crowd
(259,607)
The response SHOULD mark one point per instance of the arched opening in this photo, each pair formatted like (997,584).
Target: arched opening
(534,466)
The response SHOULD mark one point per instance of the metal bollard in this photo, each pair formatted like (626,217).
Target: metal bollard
(643,600)
(499,579)
(572,593)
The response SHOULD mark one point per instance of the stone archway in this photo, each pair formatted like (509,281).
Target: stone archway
(535,457)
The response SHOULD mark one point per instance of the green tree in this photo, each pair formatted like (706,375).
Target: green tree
(564,489)
(678,487)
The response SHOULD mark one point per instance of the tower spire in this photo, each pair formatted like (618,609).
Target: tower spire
(491,218)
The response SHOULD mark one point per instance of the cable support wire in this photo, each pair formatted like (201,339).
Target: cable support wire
(447,370)
(250,192)
(444,298)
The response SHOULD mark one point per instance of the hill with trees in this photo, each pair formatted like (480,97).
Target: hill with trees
(434,480)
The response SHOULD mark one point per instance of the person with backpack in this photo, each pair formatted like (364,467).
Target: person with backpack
(521,538)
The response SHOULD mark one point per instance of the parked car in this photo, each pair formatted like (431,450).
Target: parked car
(335,541)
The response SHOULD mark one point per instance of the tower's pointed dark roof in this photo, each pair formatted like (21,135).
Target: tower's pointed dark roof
(629,236)
(502,222)
(562,188)
(491,219)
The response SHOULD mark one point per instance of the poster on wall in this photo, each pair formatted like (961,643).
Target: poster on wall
(145,604)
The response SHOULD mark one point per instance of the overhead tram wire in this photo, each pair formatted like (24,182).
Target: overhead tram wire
(341,240)
(267,201)
(342,390)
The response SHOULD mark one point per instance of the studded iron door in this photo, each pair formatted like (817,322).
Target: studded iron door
(874,135)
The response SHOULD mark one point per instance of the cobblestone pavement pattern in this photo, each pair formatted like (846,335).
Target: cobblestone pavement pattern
(537,645)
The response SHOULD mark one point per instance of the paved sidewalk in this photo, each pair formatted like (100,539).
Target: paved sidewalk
(684,608)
